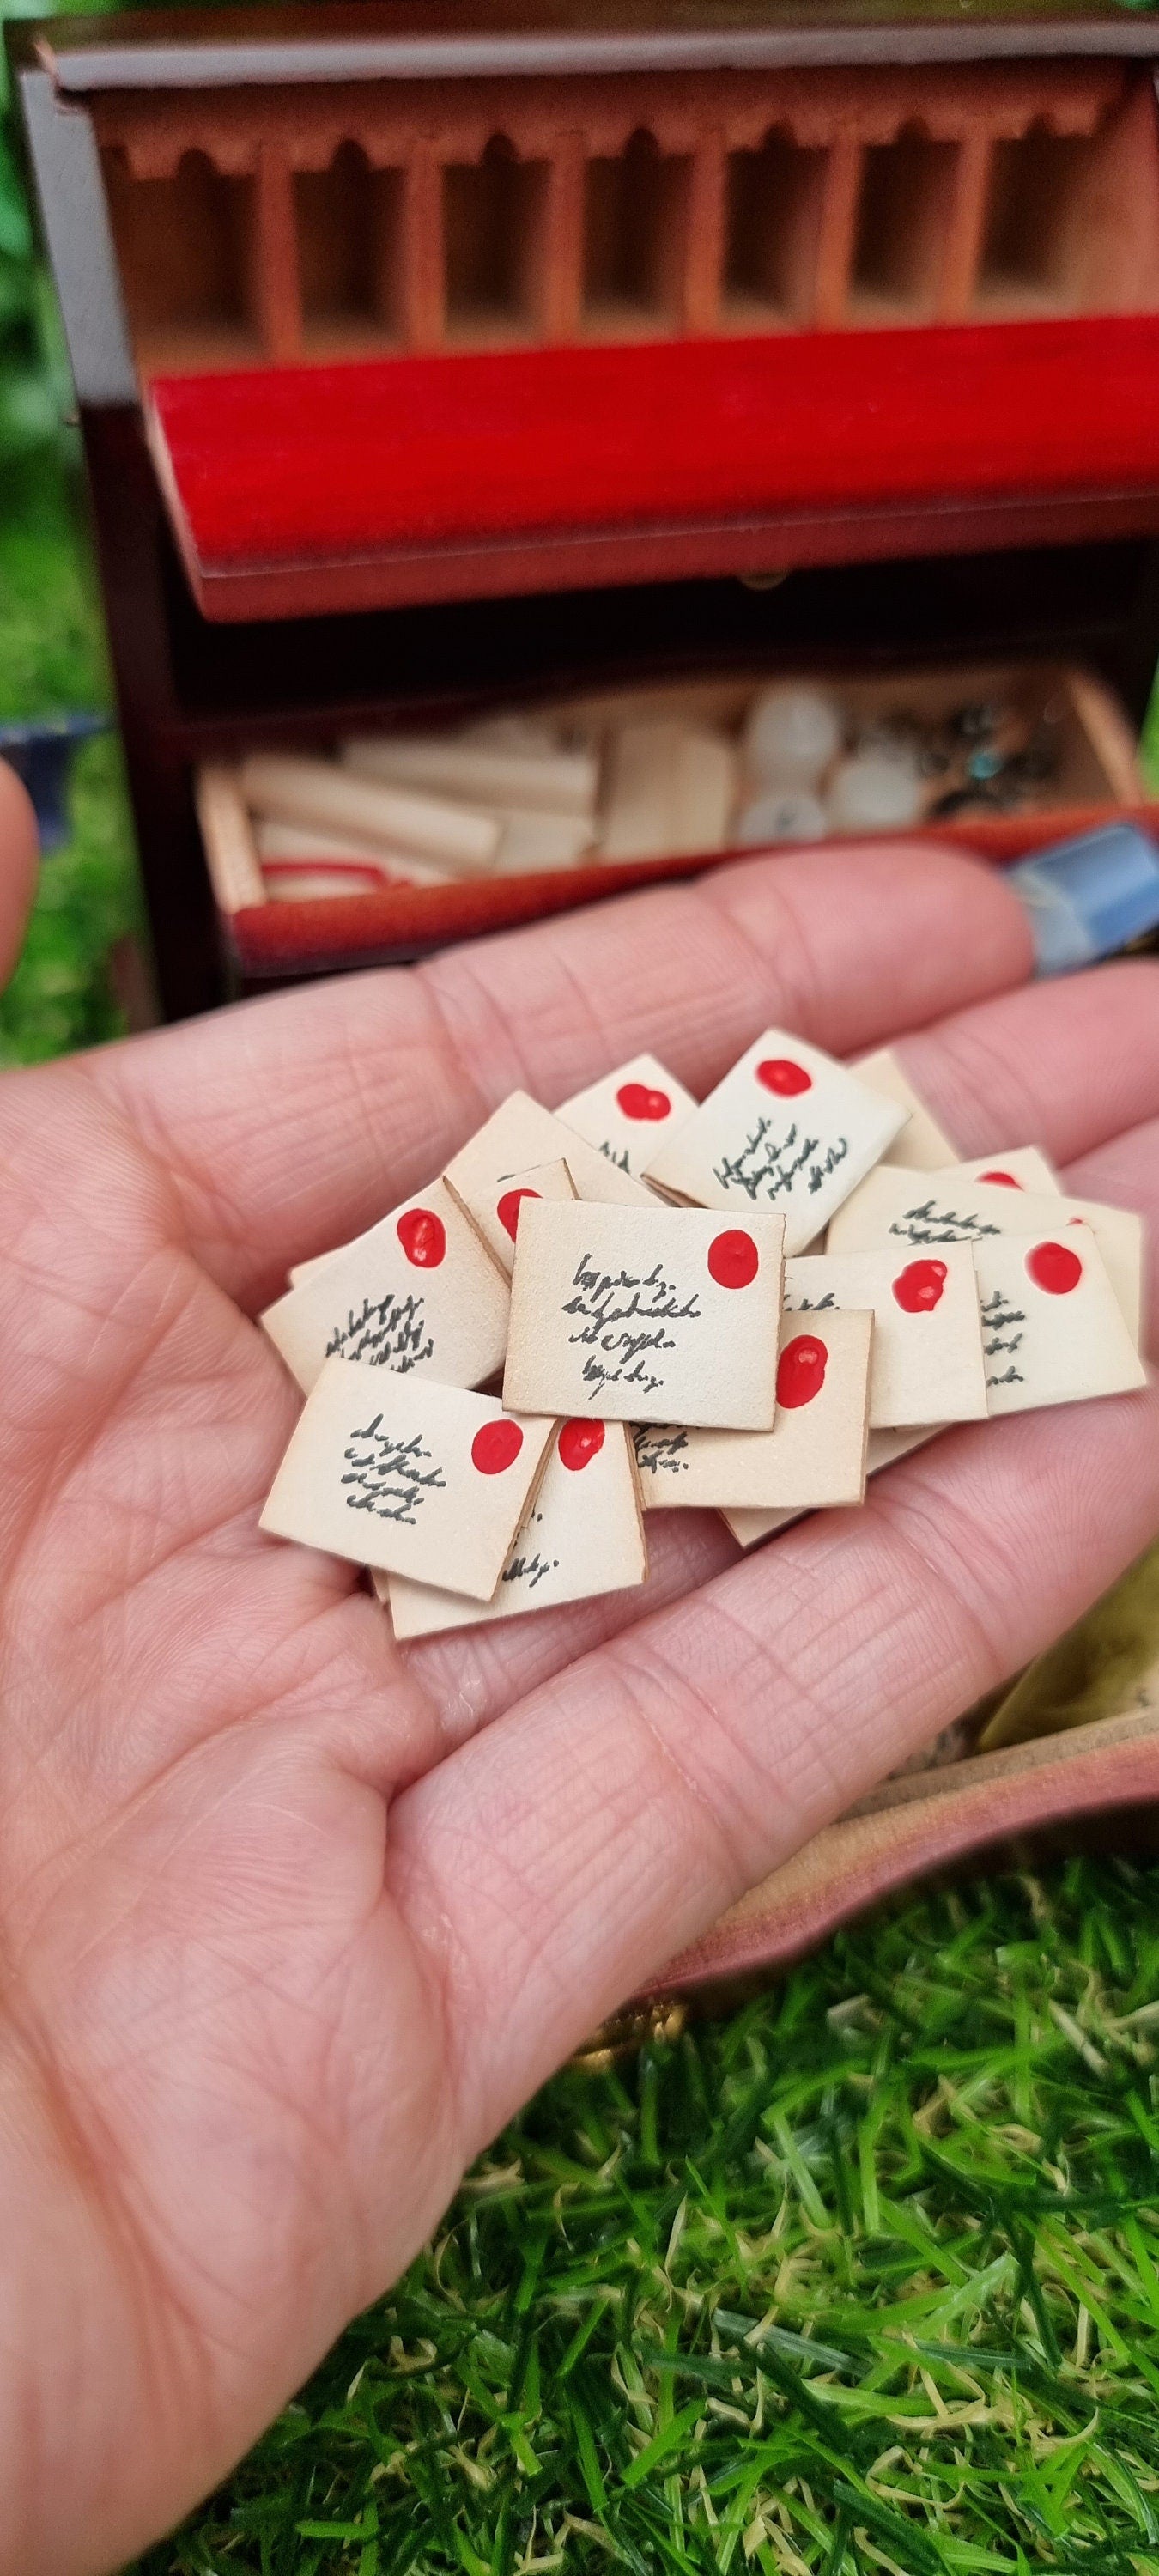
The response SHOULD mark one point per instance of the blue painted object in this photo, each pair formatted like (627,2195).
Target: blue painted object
(1090,896)
(41,754)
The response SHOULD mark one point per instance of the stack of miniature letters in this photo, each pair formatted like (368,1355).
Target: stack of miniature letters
(637,1301)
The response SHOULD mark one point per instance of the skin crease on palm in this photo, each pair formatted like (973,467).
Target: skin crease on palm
(292,1921)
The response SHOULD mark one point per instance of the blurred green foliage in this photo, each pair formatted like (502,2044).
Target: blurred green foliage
(52,661)
(34,385)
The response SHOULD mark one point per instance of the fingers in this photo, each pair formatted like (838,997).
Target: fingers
(1064,1065)
(19,860)
(832,943)
(1126,1174)
(557,1861)
(291,1123)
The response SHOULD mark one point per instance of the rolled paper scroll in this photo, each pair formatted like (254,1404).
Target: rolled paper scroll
(319,793)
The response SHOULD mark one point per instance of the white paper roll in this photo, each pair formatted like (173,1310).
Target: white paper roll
(552,782)
(317,792)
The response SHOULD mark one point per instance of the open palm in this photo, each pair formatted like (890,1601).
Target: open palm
(290,1920)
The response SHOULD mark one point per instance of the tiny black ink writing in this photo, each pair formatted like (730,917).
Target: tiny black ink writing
(624,1319)
(1000,1320)
(389,1477)
(661,1453)
(928,1224)
(529,1569)
(389,1332)
(767,1166)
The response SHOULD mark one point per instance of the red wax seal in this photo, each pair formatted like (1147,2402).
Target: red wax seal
(801,1369)
(1003,1180)
(779,1073)
(918,1287)
(507,1210)
(423,1237)
(578,1442)
(733,1260)
(1055,1267)
(636,1101)
(496,1445)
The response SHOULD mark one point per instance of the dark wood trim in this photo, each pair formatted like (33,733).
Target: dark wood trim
(132,549)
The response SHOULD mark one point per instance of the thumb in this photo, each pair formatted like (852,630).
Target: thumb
(19,854)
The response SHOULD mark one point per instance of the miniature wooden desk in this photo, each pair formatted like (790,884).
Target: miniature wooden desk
(428,354)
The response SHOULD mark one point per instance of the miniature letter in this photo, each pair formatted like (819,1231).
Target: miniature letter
(631,1113)
(519,1134)
(1053,1330)
(645,1314)
(400,1473)
(583,1535)
(953,1207)
(815,1452)
(787,1129)
(495,1212)
(418,1292)
(927,1345)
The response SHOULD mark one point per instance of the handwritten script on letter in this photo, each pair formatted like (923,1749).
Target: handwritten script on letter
(388,1331)
(389,1477)
(661,1453)
(1000,1320)
(767,1166)
(930,1224)
(623,1320)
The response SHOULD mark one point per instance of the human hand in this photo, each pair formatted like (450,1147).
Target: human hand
(292,1920)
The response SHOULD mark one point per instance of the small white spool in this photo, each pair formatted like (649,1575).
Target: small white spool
(791,736)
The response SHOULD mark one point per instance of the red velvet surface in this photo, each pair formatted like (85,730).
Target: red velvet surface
(317,462)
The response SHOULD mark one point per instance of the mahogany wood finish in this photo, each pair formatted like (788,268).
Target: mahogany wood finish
(907,193)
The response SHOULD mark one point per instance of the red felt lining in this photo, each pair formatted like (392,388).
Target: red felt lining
(275,465)
(331,931)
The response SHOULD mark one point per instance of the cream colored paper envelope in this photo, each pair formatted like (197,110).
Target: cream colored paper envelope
(495,1213)
(418,1292)
(882,1448)
(518,1135)
(951,1207)
(645,1315)
(583,1535)
(415,1478)
(1053,1329)
(921,1145)
(927,1344)
(630,1113)
(815,1452)
(789,1129)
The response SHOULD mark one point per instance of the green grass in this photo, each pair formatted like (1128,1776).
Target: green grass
(52,662)
(865,2276)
